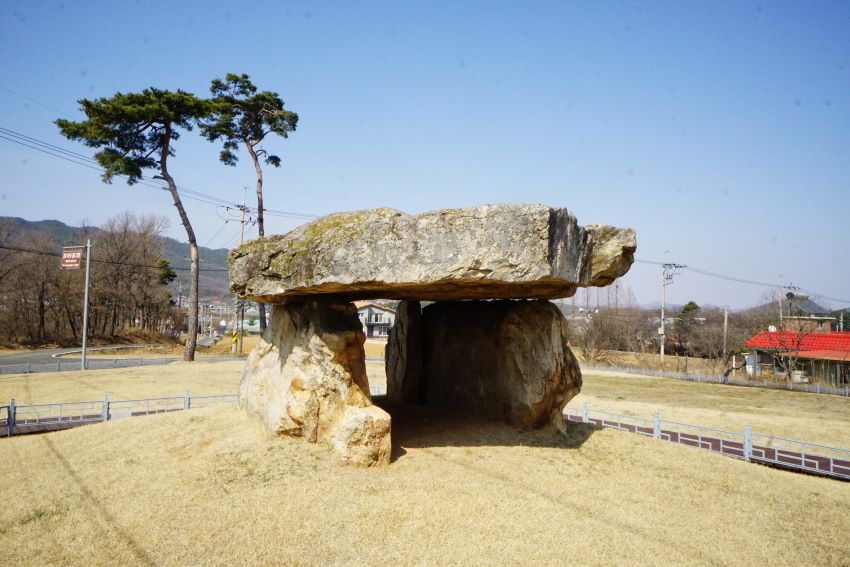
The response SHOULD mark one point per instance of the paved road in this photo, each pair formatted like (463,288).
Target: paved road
(49,355)
(40,356)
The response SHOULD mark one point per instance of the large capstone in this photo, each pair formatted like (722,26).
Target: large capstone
(307,378)
(505,360)
(486,252)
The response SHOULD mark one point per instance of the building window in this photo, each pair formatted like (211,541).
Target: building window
(378,317)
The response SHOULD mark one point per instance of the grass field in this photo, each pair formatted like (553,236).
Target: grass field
(173,379)
(206,488)
(803,417)
(373,348)
(123,383)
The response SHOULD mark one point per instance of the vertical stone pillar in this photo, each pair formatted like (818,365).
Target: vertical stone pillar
(506,360)
(403,358)
(307,378)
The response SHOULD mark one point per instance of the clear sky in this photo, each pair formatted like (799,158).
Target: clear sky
(719,131)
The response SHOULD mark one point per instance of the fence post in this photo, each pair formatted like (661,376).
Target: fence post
(748,443)
(28,367)
(10,418)
(58,367)
(818,387)
(140,362)
(186,400)
(585,413)
(656,427)
(105,410)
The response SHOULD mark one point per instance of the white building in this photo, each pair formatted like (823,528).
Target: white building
(375,318)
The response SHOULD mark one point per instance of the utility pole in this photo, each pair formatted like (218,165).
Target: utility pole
(83,361)
(780,300)
(241,240)
(725,326)
(667,273)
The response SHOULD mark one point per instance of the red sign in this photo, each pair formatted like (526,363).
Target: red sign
(71,258)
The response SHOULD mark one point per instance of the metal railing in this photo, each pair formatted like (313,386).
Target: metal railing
(715,379)
(35,418)
(101,363)
(752,447)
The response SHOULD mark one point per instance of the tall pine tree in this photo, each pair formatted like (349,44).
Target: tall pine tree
(137,131)
(244,116)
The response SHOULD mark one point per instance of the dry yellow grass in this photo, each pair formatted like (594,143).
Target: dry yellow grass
(199,378)
(222,347)
(206,488)
(374,348)
(804,417)
(123,383)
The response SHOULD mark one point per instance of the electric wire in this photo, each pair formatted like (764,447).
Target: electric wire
(738,280)
(102,261)
(86,161)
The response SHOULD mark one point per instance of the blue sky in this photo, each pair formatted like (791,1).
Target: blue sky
(719,131)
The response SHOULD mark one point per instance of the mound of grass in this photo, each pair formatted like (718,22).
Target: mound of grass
(205,487)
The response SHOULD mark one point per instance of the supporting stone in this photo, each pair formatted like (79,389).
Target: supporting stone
(403,355)
(307,378)
(506,360)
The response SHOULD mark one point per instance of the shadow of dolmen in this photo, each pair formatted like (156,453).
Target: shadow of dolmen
(416,426)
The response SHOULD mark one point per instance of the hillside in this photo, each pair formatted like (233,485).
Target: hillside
(213,284)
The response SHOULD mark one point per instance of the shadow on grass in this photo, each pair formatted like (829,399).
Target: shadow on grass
(102,513)
(416,427)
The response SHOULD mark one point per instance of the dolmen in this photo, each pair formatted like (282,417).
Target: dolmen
(487,342)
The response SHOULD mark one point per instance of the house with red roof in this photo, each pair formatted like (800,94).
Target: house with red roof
(824,356)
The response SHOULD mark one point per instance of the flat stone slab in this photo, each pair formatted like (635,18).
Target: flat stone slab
(486,252)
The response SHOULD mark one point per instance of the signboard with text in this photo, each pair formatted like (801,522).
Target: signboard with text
(71,258)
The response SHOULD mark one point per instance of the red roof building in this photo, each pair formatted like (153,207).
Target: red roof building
(802,342)
(823,355)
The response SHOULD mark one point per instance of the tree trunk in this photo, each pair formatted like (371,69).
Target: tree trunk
(191,341)
(260,229)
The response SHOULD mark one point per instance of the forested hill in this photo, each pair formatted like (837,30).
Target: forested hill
(213,284)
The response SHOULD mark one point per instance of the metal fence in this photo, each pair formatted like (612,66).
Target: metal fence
(101,363)
(715,379)
(752,447)
(37,418)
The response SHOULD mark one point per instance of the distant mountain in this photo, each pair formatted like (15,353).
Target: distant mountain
(212,284)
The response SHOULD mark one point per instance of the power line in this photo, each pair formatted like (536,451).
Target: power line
(128,264)
(86,161)
(10,91)
(733,278)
